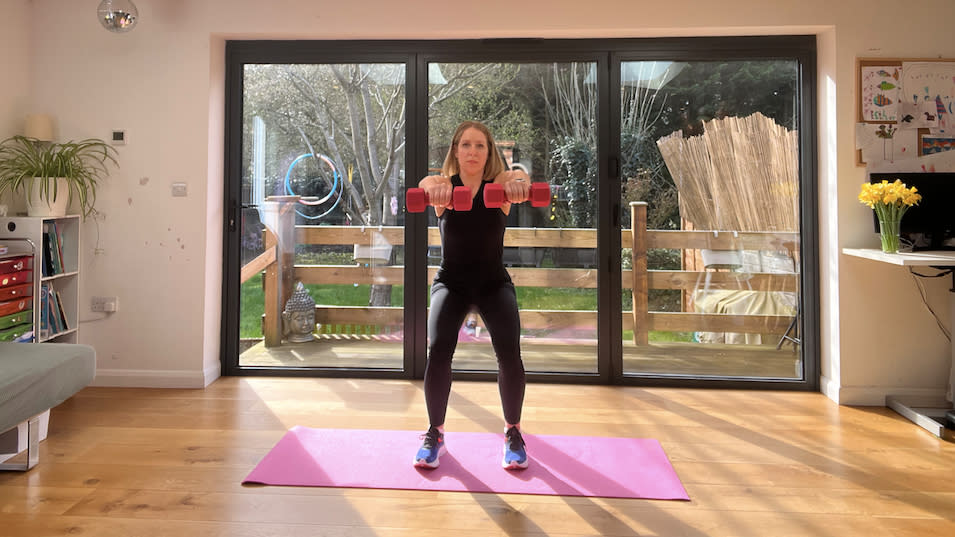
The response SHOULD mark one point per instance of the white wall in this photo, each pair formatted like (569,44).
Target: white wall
(162,82)
(14,64)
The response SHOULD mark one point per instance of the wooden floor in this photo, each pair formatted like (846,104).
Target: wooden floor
(150,463)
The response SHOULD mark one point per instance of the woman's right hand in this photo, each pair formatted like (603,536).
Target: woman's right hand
(439,189)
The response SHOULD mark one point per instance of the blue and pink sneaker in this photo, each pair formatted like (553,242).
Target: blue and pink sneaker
(515,454)
(431,449)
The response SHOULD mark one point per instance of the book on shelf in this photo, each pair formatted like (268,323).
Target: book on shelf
(52,314)
(58,233)
(45,321)
(52,250)
(60,311)
(47,259)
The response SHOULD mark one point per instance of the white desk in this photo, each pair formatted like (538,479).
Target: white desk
(908,259)
(928,414)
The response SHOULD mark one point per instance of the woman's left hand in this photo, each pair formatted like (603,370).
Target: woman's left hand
(516,185)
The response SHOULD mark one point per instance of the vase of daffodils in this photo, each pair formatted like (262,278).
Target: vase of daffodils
(889,201)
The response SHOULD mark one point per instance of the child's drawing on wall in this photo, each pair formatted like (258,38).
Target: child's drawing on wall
(880,93)
(929,93)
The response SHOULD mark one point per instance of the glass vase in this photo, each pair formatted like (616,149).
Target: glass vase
(889,231)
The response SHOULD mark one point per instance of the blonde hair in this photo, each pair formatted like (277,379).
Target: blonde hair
(494,164)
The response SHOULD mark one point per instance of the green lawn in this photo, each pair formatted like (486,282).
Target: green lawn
(253,301)
(535,298)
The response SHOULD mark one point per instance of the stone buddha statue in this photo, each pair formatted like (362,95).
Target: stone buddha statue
(299,316)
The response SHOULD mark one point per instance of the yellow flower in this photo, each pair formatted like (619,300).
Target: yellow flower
(889,200)
(912,198)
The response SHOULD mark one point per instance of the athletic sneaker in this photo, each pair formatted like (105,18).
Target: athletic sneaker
(431,449)
(515,455)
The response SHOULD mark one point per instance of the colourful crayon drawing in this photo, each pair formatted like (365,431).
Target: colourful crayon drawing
(881,100)
(880,93)
(934,144)
(887,133)
(930,86)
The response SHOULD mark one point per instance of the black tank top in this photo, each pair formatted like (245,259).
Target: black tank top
(472,245)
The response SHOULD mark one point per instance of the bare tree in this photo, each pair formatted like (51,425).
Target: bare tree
(572,107)
(354,114)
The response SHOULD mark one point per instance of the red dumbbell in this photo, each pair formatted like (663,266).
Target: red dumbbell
(416,199)
(494,195)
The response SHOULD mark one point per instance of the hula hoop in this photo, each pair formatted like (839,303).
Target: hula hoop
(335,179)
(328,162)
(330,209)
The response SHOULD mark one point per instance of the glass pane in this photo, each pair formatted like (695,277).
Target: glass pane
(544,119)
(711,203)
(323,165)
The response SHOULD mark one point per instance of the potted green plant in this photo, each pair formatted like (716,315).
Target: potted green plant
(51,175)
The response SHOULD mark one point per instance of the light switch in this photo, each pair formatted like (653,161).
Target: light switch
(179,190)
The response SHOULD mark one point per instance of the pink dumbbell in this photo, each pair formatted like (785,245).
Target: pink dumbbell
(494,195)
(416,199)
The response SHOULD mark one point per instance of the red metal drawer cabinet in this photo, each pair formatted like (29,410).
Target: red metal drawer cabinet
(16,264)
(16,278)
(14,306)
(16,291)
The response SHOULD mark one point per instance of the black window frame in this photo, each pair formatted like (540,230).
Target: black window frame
(607,54)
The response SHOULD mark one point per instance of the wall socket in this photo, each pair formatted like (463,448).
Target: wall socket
(106,304)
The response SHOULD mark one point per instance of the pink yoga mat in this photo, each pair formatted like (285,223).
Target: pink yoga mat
(559,465)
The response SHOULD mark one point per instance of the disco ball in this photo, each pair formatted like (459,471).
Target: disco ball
(117,15)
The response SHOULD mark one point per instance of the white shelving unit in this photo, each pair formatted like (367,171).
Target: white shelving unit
(61,281)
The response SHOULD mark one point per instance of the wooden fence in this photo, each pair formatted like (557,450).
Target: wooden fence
(277,262)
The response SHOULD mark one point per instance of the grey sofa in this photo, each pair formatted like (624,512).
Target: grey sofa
(35,377)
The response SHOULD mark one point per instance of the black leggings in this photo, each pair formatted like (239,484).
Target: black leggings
(498,309)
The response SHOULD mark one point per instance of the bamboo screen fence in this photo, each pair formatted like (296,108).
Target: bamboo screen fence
(740,174)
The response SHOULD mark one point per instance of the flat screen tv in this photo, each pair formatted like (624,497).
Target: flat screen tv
(930,225)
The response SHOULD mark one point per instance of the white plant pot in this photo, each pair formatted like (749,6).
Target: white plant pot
(38,205)
(375,255)
(725,259)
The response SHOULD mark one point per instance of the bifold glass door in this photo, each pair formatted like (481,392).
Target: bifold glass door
(543,117)
(322,249)
(672,250)
(709,155)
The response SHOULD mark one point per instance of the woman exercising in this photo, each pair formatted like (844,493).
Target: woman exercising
(472,274)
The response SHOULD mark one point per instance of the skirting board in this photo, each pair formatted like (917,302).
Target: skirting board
(155,378)
(873,395)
